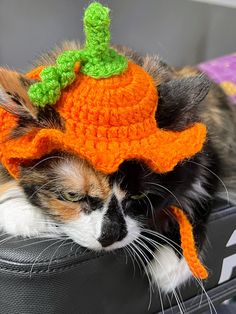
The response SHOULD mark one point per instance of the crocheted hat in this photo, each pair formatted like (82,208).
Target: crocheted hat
(108,104)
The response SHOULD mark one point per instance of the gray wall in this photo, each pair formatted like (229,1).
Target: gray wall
(181,31)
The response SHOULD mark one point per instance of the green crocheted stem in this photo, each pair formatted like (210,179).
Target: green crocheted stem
(102,61)
(96,28)
(97,59)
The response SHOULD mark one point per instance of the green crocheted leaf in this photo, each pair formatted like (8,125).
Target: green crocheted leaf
(97,59)
(48,91)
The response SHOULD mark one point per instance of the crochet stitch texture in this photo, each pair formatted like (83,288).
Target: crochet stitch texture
(108,118)
(188,244)
(107,121)
(97,59)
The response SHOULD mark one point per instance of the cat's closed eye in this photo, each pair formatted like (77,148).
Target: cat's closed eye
(138,196)
(72,196)
(91,202)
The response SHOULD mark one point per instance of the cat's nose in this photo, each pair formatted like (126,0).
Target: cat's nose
(111,233)
(114,225)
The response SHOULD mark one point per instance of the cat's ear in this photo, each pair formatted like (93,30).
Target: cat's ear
(14,99)
(13,94)
(179,101)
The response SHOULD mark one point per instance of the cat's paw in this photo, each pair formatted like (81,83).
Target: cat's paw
(20,218)
(167,270)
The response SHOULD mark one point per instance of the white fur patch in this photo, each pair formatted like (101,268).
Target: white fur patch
(133,230)
(199,189)
(19,218)
(87,229)
(118,193)
(167,270)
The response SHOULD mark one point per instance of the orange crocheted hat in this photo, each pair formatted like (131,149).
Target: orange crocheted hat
(109,106)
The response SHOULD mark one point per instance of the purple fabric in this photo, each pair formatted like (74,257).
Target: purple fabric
(223,71)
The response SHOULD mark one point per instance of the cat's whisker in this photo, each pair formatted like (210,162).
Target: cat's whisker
(42,186)
(34,243)
(179,302)
(209,301)
(214,174)
(33,264)
(161,236)
(156,244)
(151,207)
(146,205)
(182,310)
(134,257)
(168,241)
(157,247)
(8,199)
(159,290)
(129,252)
(148,172)
(72,245)
(169,191)
(139,252)
(45,221)
(3,234)
(138,241)
(45,159)
(126,257)
(79,247)
(54,253)
(201,298)
(6,239)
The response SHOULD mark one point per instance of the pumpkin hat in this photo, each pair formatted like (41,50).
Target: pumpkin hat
(108,104)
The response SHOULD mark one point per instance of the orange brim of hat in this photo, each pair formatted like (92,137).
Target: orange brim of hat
(161,151)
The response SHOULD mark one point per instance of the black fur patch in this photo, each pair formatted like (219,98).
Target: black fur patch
(48,118)
(173,188)
(94,203)
(16,98)
(25,82)
(178,102)
(114,226)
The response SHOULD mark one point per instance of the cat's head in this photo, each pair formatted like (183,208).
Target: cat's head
(94,209)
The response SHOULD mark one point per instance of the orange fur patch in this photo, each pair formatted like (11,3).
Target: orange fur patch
(65,211)
(11,82)
(7,186)
(79,176)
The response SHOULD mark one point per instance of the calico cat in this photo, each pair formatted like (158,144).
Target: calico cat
(63,194)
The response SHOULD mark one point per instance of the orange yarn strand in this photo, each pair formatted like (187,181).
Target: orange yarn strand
(34,74)
(188,244)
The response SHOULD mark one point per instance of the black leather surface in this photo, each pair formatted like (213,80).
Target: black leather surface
(46,276)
